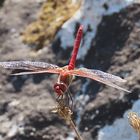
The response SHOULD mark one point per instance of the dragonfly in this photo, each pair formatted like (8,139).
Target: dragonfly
(66,73)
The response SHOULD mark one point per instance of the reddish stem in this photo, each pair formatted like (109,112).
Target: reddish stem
(77,41)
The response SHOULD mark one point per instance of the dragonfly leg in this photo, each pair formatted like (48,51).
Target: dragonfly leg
(71,99)
(67,99)
(59,98)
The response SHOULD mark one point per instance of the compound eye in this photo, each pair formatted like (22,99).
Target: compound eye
(63,87)
(57,89)
(60,88)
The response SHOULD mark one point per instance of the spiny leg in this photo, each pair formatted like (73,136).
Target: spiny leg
(63,100)
(66,99)
(59,97)
(71,99)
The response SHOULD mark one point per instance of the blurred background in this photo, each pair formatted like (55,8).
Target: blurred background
(44,30)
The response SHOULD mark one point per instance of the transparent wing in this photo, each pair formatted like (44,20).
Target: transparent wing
(105,78)
(29,67)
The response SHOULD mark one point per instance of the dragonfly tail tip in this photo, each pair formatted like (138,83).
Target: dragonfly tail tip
(81,27)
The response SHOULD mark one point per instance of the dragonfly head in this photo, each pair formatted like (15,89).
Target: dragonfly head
(60,88)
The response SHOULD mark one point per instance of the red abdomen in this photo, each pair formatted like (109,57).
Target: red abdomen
(77,41)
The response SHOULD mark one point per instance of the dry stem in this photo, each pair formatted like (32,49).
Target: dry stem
(66,113)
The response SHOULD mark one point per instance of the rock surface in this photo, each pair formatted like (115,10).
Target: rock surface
(25,101)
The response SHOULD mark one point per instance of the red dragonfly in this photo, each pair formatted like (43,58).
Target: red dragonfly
(67,72)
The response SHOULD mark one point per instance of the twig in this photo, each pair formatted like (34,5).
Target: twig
(66,113)
(75,129)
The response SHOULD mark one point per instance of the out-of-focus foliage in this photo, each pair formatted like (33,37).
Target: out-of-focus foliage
(52,15)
